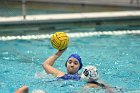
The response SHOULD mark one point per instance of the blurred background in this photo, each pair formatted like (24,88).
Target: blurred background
(16,7)
(24,16)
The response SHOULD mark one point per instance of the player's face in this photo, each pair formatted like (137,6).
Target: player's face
(72,65)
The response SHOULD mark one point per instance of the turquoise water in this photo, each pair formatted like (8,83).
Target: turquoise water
(116,57)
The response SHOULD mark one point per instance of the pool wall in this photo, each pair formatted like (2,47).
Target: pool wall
(41,22)
(120,19)
(73,17)
(120,3)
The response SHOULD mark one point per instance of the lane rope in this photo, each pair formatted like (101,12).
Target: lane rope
(71,35)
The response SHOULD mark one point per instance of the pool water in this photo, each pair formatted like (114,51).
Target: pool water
(116,57)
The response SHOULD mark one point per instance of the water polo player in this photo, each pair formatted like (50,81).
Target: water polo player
(73,65)
(91,76)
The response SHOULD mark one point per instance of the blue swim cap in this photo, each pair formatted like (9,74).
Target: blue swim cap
(77,57)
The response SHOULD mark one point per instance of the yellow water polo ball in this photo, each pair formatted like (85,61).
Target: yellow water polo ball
(59,40)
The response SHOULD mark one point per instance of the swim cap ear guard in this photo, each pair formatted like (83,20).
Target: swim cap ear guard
(90,74)
(77,57)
